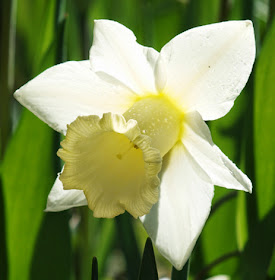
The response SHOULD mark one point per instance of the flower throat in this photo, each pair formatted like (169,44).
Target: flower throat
(158,118)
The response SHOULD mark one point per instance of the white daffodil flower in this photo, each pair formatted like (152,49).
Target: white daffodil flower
(136,139)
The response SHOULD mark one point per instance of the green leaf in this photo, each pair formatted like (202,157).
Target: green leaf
(208,12)
(259,248)
(92,237)
(219,234)
(105,243)
(264,125)
(165,21)
(85,239)
(241,220)
(257,254)
(27,178)
(94,269)
(128,244)
(52,258)
(7,67)
(35,28)
(3,242)
(148,269)
(271,269)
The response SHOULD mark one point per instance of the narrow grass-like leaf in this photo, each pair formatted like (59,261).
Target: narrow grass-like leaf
(241,220)
(60,20)
(105,244)
(3,237)
(218,237)
(35,31)
(148,269)
(208,12)
(264,125)
(7,33)
(27,167)
(86,241)
(52,258)
(264,157)
(7,51)
(258,251)
(206,270)
(128,243)
(27,179)
(219,234)
(271,269)
(94,269)
(54,235)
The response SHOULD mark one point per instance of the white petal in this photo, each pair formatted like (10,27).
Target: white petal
(223,172)
(219,277)
(71,89)
(208,66)
(176,221)
(116,52)
(160,74)
(60,199)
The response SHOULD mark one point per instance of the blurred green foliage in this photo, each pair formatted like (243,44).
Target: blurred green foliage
(238,239)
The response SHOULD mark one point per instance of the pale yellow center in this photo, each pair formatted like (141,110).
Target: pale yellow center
(121,161)
(115,160)
(159,118)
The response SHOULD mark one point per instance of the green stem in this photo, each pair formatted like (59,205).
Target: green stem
(147,22)
(248,138)
(148,268)
(94,269)
(84,33)
(107,240)
(224,10)
(271,11)
(85,243)
(60,20)
(201,275)
(83,8)
(248,133)
(128,244)
(7,52)
(224,199)
(3,242)
(248,9)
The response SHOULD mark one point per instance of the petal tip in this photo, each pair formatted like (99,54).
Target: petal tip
(248,185)
(98,21)
(248,23)
(249,27)
(48,207)
(18,95)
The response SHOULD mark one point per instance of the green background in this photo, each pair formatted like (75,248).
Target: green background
(238,238)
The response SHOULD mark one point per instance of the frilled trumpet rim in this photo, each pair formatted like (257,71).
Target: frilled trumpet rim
(113,163)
